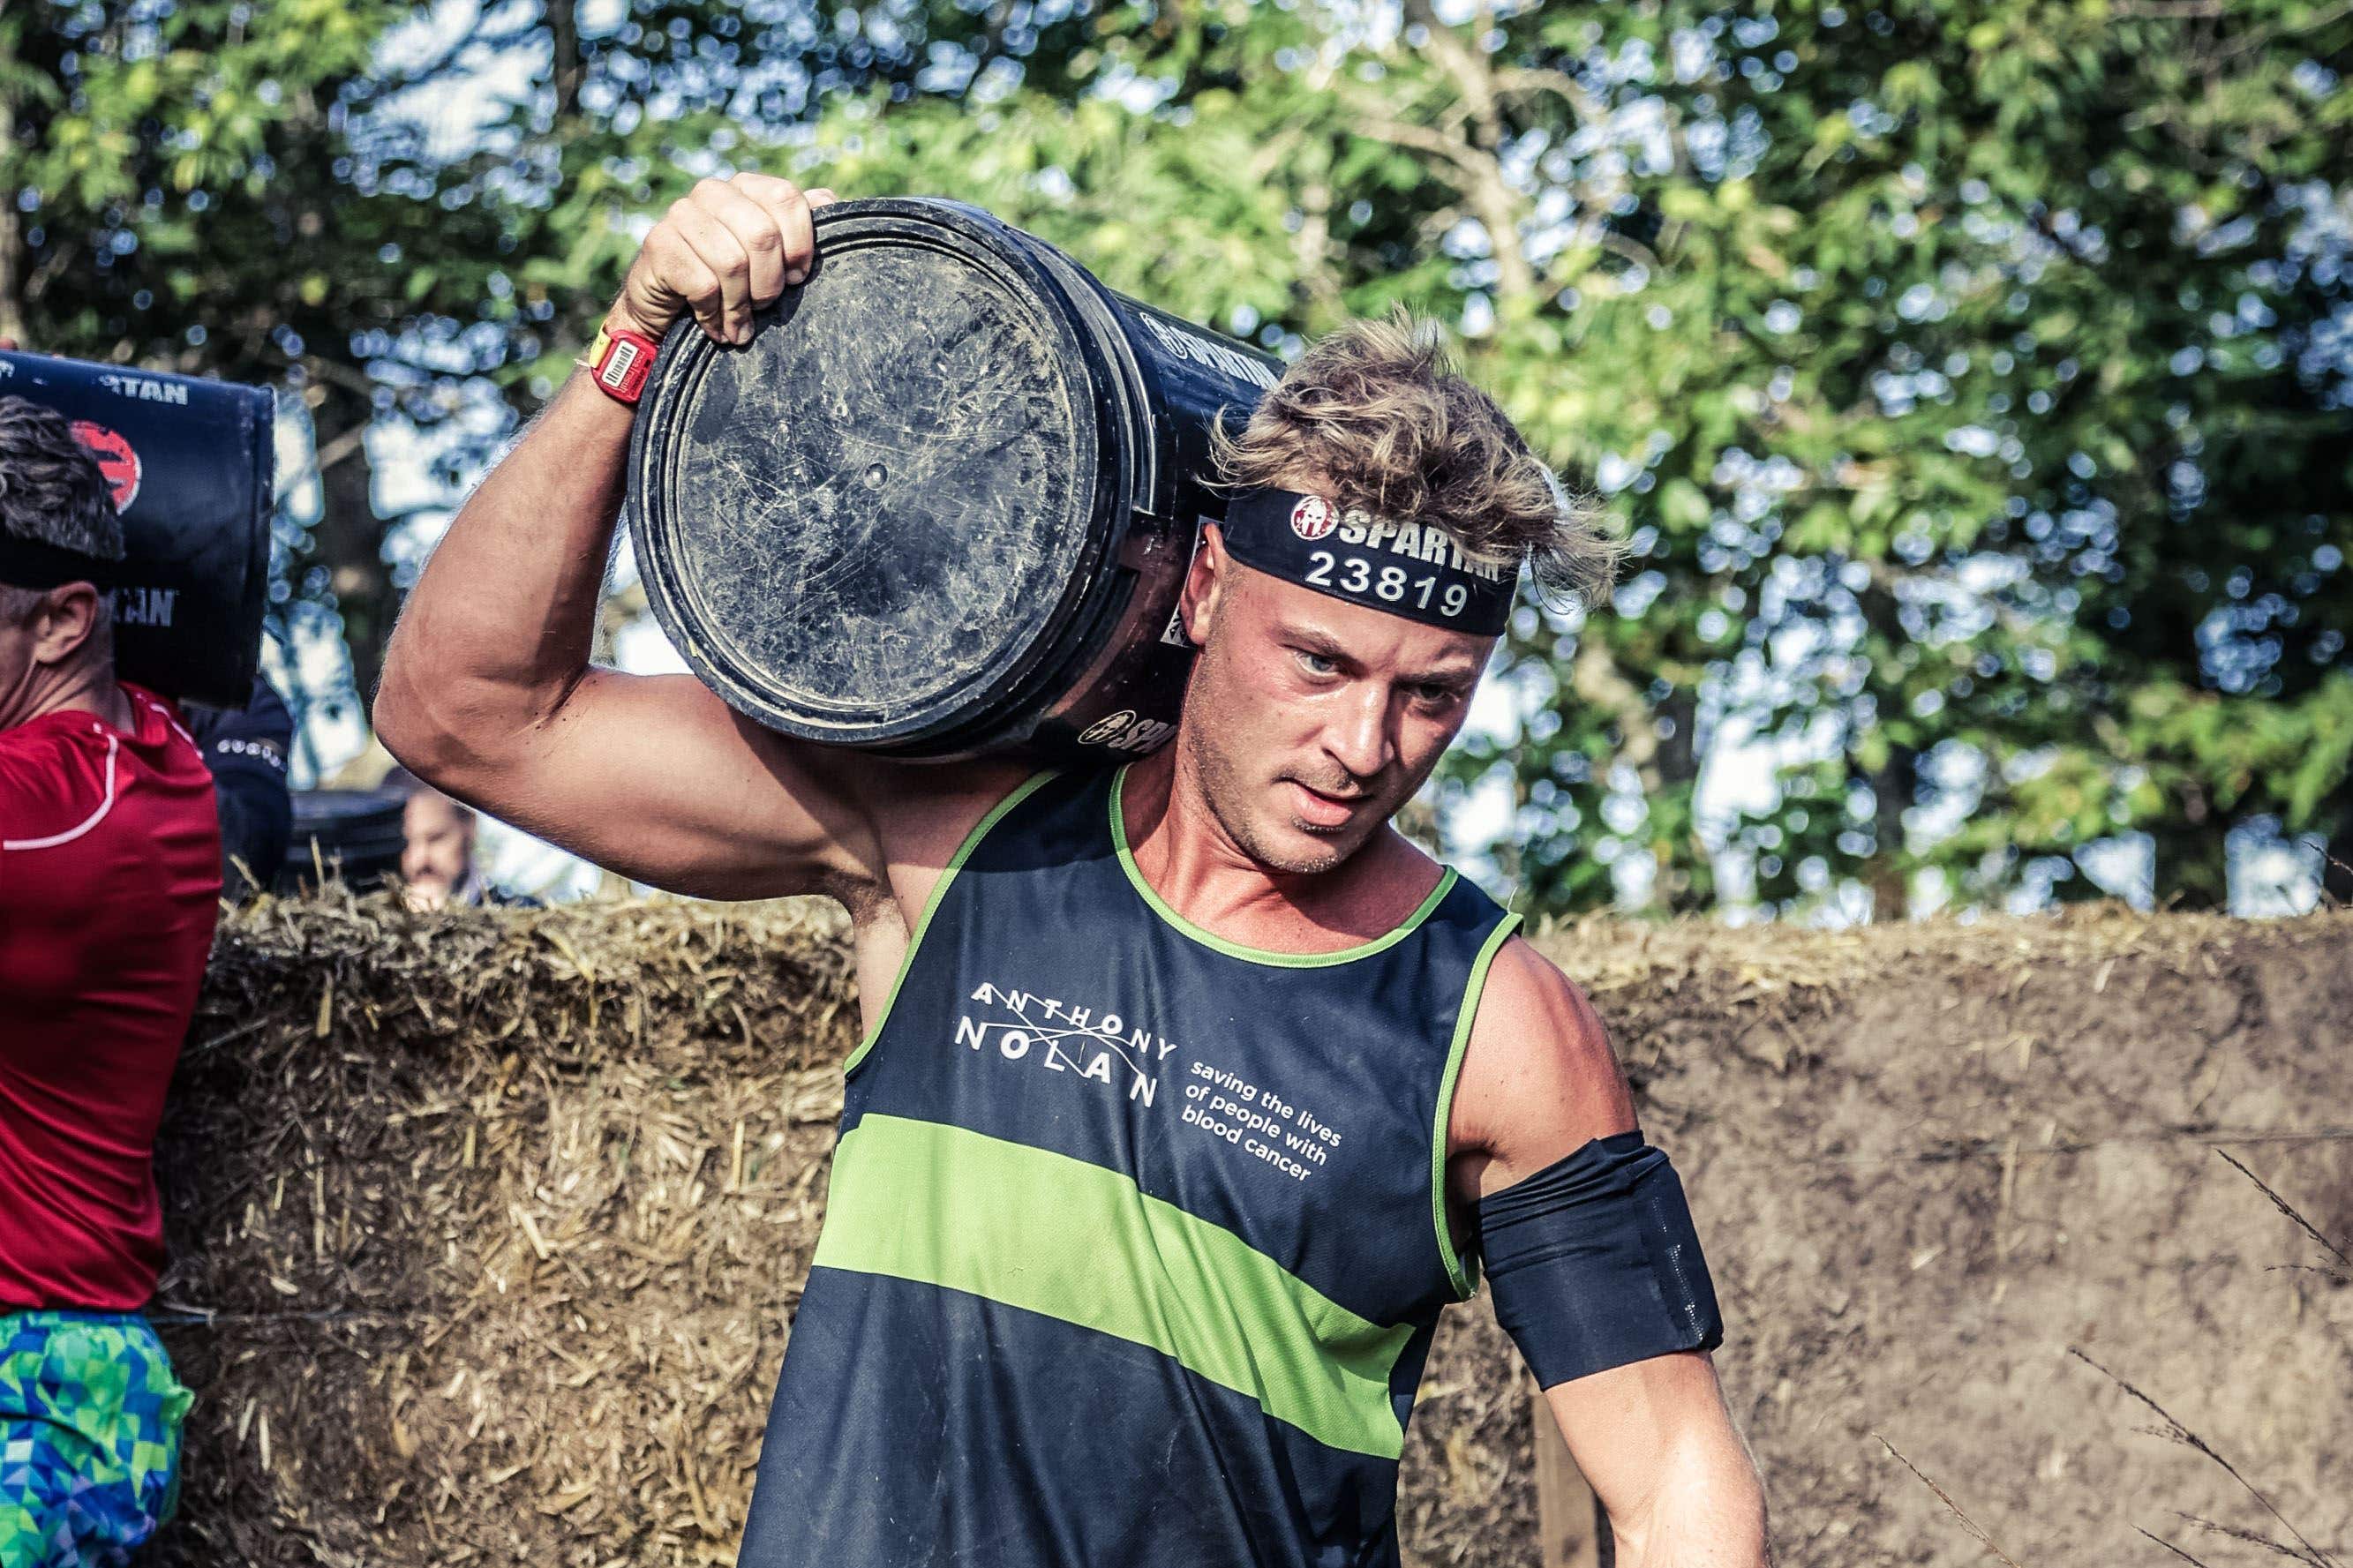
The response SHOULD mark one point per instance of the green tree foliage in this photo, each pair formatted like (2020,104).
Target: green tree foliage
(1968,380)
(173,196)
(268,191)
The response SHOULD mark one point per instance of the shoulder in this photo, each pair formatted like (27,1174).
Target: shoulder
(163,756)
(52,776)
(39,745)
(1538,1077)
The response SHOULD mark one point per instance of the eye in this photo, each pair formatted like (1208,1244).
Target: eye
(1315,663)
(1437,696)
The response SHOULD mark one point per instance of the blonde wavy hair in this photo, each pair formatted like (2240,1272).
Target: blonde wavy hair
(1375,415)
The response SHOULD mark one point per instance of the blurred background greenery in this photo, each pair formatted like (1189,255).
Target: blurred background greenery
(1971,379)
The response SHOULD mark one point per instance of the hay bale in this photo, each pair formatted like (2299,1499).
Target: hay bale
(488,1226)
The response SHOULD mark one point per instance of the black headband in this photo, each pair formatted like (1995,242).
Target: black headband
(40,566)
(1402,568)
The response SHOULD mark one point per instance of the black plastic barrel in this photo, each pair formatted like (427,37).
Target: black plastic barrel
(193,465)
(353,834)
(943,503)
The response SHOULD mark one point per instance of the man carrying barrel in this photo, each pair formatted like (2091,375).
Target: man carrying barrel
(1190,1091)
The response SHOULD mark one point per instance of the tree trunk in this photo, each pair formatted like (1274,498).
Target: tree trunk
(349,538)
(2337,857)
(1686,877)
(571,67)
(2192,869)
(1892,791)
(1894,783)
(1572,1531)
(12,238)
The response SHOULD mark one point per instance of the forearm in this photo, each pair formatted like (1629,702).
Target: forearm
(1657,1444)
(498,627)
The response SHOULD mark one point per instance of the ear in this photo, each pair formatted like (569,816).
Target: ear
(64,622)
(1206,582)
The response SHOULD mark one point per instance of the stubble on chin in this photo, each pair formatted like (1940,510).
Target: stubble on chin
(1229,794)
(1298,863)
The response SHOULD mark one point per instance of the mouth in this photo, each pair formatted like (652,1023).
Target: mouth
(1322,810)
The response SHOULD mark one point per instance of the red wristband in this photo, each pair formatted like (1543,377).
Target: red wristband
(620,362)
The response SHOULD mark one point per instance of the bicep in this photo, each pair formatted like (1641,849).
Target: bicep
(655,777)
(1591,1253)
(1538,1077)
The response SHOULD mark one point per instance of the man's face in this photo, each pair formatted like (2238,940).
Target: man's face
(439,850)
(1310,721)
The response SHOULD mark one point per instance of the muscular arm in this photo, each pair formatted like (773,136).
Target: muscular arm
(1653,1438)
(488,690)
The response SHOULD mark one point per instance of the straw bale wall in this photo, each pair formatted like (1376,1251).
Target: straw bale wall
(487,1227)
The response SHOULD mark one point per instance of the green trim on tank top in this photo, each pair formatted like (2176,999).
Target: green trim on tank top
(1260,954)
(1042,1232)
(1457,1271)
(1020,793)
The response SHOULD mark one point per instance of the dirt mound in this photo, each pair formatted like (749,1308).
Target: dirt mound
(487,1227)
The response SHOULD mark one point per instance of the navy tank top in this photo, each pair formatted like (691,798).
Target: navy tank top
(1136,1237)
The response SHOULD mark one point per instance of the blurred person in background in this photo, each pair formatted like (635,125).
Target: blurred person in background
(110,880)
(245,748)
(437,857)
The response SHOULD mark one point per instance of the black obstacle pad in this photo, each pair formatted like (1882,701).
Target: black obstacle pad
(192,464)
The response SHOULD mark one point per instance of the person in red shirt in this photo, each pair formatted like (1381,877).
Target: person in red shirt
(110,880)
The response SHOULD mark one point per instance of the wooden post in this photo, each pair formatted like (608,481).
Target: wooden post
(1571,1530)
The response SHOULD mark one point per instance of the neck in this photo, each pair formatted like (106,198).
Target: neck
(1182,848)
(88,687)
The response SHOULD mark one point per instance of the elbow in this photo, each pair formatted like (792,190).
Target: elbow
(419,732)
(1711,1511)
(453,725)
(402,725)
(1751,1529)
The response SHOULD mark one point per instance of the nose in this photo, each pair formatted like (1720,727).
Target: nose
(1358,735)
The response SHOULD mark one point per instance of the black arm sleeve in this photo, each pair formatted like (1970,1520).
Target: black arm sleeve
(1594,1264)
(246,749)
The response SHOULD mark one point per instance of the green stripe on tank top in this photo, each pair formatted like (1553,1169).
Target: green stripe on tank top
(1030,1228)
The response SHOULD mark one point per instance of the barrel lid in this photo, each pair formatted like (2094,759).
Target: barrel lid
(875,512)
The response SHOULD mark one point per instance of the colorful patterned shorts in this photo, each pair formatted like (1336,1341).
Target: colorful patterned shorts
(89,1437)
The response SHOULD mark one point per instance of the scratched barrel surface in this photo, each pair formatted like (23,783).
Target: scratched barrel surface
(943,503)
(192,464)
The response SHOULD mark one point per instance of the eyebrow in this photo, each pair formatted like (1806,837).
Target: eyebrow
(1459,675)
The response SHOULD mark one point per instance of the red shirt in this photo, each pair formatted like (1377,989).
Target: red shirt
(110,879)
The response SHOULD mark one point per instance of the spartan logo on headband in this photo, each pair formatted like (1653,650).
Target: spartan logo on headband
(1401,568)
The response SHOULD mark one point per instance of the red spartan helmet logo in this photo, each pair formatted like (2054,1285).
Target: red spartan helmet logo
(116,459)
(1311,518)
